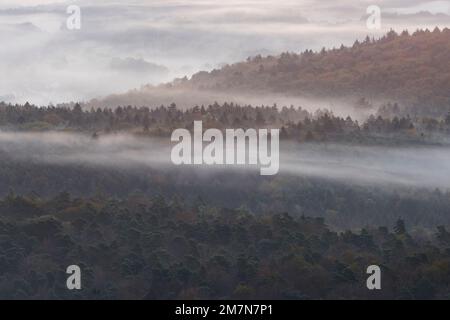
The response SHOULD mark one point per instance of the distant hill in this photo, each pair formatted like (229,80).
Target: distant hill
(410,68)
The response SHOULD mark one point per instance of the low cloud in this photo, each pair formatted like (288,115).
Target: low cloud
(138,66)
(417,167)
(45,62)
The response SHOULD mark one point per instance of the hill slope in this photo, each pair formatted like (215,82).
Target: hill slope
(411,69)
(414,67)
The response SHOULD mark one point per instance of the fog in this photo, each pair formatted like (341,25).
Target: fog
(123,45)
(188,98)
(422,167)
(407,166)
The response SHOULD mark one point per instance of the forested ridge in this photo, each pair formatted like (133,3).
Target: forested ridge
(411,68)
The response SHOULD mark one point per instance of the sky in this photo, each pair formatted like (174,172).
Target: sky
(123,45)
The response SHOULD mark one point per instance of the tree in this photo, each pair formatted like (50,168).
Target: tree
(400,227)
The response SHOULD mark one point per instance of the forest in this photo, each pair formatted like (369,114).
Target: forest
(157,232)
(159,248)
(295,123)
(87,184)
(409,68)
(400,73)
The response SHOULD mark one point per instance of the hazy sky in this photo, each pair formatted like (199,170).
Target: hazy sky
(125,44)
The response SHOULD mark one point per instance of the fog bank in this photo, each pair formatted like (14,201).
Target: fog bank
(424,166)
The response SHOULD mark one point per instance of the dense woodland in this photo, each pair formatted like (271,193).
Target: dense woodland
(155,233)
(156,248)
(295,123)
(411,68)
(342,205)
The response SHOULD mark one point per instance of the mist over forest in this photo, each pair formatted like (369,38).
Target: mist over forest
(86,174)
(396,167)
(410,166)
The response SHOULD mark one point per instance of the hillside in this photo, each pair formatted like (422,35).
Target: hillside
(412,69)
